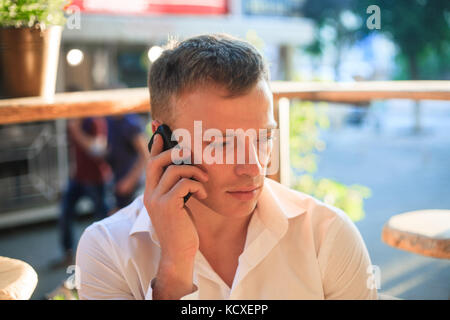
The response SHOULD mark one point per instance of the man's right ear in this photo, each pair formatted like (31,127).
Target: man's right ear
(155,125)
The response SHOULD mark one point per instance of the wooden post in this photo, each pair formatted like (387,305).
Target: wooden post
(417,116)
(281,115)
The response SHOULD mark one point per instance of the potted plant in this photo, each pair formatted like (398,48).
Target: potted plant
(30,35)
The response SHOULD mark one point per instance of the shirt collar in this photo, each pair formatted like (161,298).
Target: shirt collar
(276,204)
(143,222)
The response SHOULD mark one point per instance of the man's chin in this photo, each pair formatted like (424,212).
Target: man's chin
(229,206)
(236,208)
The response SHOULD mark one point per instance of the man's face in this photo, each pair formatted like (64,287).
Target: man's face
(253,110)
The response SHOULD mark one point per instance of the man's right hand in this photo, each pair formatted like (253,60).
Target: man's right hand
(178,238)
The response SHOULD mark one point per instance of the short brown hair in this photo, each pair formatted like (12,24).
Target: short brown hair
(218,59)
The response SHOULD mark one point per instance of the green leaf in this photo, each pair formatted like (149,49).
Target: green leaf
(32,13)
(305,121)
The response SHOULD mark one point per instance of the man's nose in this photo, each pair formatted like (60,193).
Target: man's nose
(251,167)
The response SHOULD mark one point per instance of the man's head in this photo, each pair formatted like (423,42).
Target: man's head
(222,82)
(206,60)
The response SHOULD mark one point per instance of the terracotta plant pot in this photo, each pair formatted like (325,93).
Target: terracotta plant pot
(29,61)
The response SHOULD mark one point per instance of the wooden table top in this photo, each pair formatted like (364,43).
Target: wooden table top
(425,232)
(17,279)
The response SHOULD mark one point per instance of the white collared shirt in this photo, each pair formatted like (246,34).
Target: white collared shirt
(296,248)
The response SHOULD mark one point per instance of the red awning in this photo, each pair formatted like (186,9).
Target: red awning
(143,7)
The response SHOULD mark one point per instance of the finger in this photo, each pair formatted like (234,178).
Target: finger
(157,164)
(176,172)
(184,186)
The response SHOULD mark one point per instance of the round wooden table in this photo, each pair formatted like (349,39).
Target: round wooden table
(17,279)
(425,232)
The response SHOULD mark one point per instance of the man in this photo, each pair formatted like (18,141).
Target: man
(240,235)
(127,155)
(89,177)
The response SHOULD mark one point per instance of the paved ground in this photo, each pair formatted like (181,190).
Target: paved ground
(405,172)
(38,245)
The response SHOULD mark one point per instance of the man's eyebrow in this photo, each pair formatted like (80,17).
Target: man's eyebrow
(269,128)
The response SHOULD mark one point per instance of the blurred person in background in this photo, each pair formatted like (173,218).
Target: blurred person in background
(90,176)
(127,155)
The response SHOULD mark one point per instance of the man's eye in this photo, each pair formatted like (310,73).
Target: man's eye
(219,144)
(266,139)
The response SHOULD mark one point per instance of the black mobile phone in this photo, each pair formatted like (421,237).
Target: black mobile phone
(166,134)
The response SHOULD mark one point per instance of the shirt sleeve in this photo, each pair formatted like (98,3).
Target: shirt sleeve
(98,276)
(345,263)
(191,296)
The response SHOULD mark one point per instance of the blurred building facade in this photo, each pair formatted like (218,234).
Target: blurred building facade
(115,40)
(108,44)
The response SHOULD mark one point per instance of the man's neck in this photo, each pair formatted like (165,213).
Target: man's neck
(213,227)
(222,239)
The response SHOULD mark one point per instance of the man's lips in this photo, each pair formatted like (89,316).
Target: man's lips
(245,189)
(245,193)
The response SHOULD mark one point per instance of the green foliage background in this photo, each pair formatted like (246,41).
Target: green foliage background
(32,13)
(420,30)
(306,121)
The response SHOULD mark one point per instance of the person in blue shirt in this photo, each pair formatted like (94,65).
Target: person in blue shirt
(127,155)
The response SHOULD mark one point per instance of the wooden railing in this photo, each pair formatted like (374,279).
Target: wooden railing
(109,102)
